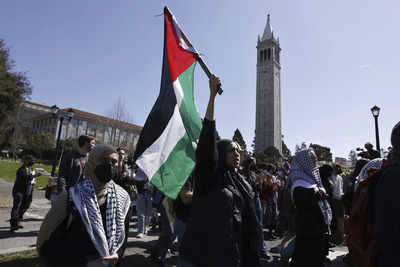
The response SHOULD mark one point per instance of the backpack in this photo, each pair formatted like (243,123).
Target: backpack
(359,226)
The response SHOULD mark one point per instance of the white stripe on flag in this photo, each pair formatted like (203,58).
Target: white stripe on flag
(157,154)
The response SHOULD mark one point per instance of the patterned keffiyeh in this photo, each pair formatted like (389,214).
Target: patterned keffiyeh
(304,173)
(373,164)
(107,240)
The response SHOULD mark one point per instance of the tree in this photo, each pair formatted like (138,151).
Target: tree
(238,138)
(39,143)
(118,113)
(286,151)
(14,86)
(269,155)
(253,144)
(323,153)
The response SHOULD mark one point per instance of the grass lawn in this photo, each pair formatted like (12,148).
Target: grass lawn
(20,259)
(8,171)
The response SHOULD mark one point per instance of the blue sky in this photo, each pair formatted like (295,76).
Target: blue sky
(339,58)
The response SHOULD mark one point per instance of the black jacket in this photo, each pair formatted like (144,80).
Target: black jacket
(387,215)
(309,219)
(22,181)
(71,170)
(223,229)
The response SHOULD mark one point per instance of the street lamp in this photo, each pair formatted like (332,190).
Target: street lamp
(375,112)
(61,114)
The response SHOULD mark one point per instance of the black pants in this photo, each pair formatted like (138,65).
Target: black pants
(310,251)
(21,204)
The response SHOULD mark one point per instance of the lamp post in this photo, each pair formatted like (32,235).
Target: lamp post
(61,114)
(375,112)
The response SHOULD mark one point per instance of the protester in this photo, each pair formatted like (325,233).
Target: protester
(182,209)
(73,163)
(22,192)
(373,164)
(350,183)
(387,206)
(167,236)
(124,176)
(371,153)
(88,226)
(224,229)
(144,202)
(337,204)
(270,201)
(248,171)
(313,213)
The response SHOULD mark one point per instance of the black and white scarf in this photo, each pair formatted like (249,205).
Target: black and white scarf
(107,240)
(305,173)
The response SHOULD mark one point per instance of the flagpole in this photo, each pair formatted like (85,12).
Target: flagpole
(203,65)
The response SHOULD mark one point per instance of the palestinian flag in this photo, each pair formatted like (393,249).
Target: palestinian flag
(166,148)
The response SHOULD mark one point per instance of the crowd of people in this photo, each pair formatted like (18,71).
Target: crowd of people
(219,217)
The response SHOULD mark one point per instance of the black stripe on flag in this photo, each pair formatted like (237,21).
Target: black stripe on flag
(162,110)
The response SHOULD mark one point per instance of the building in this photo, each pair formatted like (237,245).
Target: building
(29,110)
(268,96)
(105,130)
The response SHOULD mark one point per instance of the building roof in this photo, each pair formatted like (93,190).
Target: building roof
(103,118)
(29,101)
(268,33)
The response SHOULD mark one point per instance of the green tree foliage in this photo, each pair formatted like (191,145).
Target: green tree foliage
(269,155)
(237,137)
(323,153)
(14,86)
(40,144)
(286,151)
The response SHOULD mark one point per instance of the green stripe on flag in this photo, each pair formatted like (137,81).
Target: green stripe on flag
(172,175)
(188,109)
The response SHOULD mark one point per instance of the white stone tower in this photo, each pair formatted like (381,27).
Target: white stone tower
(268,97)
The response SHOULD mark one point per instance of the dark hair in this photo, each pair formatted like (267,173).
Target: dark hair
(83,139)
(338,169)
(395,138)
(270,167)
(325,171)
(29,158)
(359,165)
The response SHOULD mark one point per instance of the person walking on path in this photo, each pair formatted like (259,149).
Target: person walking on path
(22,192)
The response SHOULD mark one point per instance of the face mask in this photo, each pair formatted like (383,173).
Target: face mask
(105,172)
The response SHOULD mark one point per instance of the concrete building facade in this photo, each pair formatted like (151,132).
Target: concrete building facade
(38,118)
(268,95)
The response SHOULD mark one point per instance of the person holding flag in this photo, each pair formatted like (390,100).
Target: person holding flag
(224,229)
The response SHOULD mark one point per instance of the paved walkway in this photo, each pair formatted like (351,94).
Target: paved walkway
(136,253)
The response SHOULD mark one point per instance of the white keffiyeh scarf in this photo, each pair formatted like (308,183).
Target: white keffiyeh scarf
(107,240)
(304,173)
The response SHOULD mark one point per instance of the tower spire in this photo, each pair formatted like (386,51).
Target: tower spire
(268,33)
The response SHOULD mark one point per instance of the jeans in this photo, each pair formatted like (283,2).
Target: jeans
(259,211)
(143,207)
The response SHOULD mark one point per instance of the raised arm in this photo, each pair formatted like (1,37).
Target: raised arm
(206,153)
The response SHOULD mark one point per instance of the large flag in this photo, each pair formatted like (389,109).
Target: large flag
(166,148)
